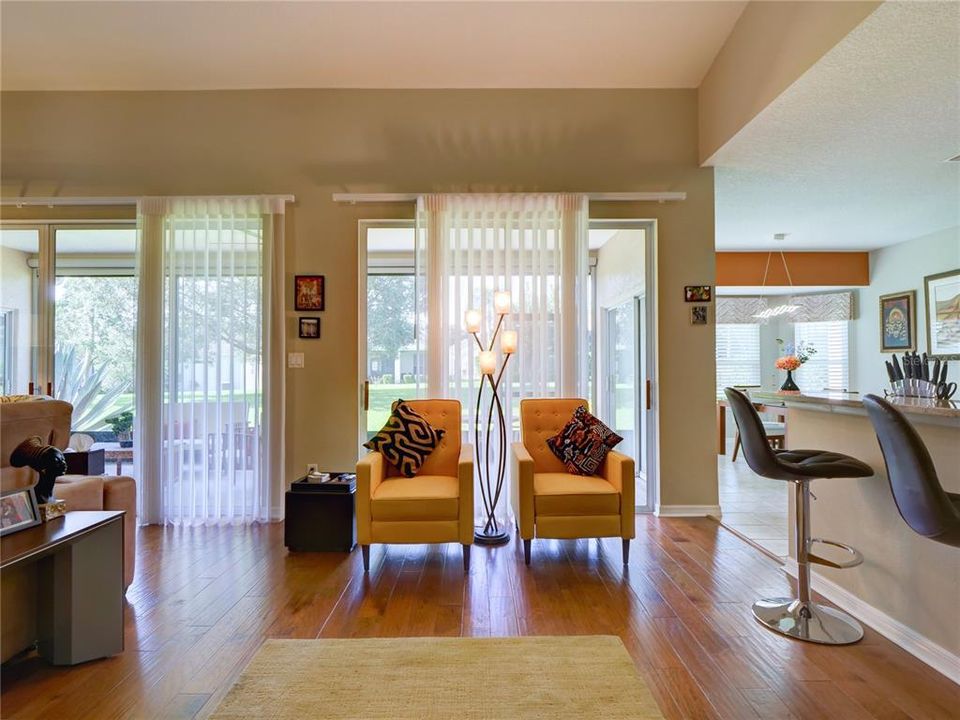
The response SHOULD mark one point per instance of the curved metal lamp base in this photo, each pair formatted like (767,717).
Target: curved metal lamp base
(484,537)
(807,621)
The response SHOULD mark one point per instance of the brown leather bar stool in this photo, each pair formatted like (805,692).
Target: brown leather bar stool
(921,500)
(799,617)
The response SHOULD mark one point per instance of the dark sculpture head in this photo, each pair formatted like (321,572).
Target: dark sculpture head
(47,460)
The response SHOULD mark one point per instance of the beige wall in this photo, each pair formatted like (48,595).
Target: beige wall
(911,579)
(894,269)
(620,268)
(315,142)
(772,44)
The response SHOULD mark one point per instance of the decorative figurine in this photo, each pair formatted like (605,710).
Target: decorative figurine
(47,460)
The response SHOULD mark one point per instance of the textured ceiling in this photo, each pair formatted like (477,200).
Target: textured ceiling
(239,45)
(851,156)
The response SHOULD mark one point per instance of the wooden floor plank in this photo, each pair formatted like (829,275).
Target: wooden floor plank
(205,599)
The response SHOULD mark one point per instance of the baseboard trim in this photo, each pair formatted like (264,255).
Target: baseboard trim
(921,647)
(687,511)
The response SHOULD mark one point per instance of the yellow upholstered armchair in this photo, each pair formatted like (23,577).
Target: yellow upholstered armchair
(435,506)
(550,502)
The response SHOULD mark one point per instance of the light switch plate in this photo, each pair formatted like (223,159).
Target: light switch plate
(294,360)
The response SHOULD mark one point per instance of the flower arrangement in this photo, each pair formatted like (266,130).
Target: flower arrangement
(792,357)
(788,362)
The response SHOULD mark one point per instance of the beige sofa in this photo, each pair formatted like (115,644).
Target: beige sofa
(50,419)
(21,418)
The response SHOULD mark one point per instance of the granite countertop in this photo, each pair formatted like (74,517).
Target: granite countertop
(907,405)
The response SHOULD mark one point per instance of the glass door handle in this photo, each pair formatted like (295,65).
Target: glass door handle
(649,394)
(50,389)
(366,395)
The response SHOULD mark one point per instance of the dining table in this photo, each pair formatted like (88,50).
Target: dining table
(761,407)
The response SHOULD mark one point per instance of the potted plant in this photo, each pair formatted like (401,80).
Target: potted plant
(791,359)
(122,425)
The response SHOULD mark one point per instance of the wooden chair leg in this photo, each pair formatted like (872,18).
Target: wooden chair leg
(736,446)
(626,551)
(466,559)
(526,551)
(365,551)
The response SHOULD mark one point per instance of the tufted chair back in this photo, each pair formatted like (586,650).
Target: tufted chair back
(443,415)
(541,419)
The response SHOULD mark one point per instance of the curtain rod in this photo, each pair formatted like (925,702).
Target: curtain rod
(597,197)
(76,201)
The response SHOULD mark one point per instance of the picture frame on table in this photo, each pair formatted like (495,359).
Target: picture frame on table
(18,510)
(310,328)
(898,321)
(697,293)
(942,303)
(308,292)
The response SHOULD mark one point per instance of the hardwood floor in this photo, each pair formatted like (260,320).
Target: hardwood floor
(205,598)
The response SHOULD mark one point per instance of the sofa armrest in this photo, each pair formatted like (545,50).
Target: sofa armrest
(80,492)
(465,479)
(618,470)
(370,473)
(521,492)
(120,493)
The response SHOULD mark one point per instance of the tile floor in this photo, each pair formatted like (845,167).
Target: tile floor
(753,506)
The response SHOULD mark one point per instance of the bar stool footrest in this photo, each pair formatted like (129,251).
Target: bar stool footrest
(856,556)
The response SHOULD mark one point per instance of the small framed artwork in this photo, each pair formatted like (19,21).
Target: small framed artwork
(18,510)
(942,302)
(697,293)
(898,321)
(310,328)
(308,292)
(698,315)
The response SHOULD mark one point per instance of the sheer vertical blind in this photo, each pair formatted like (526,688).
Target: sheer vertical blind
(829,367)
(535,246)
(738,355)
(209,395)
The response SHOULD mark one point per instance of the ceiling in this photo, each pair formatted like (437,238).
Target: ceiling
(852,155)
(390,44)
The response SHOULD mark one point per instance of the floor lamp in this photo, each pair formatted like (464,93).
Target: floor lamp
(491,476)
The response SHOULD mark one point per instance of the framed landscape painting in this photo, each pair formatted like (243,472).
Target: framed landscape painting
(898,321)
(942,300)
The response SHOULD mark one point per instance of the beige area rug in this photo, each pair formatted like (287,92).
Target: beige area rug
(441,678)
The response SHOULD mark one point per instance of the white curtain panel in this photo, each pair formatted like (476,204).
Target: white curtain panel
(210,345)
(535,246)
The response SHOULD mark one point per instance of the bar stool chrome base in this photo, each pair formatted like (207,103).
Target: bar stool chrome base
(807,621)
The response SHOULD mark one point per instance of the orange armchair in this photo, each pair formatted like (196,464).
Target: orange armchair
(435,506)
(549,502)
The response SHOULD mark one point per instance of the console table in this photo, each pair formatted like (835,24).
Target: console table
(67,578)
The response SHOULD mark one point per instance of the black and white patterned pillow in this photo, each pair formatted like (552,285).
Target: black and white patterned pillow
(407,439)
(583,443)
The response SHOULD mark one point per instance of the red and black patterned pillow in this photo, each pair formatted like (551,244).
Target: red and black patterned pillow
(406,440)
(583,443)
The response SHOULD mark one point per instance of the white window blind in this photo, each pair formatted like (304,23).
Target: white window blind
(830,367)
(738,355)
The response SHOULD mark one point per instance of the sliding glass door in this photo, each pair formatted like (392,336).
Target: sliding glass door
(68,317)
(390,365)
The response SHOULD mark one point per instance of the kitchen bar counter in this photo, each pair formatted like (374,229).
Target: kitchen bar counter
(908,585)
(918,409)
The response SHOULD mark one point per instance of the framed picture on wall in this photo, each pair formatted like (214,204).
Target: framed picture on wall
(310,328)
(898,321)
(942,301)
(698,315)
(697,293)
(308,292)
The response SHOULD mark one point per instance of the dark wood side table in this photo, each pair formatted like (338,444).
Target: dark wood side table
(71,568)
(320,519)
(85,462)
